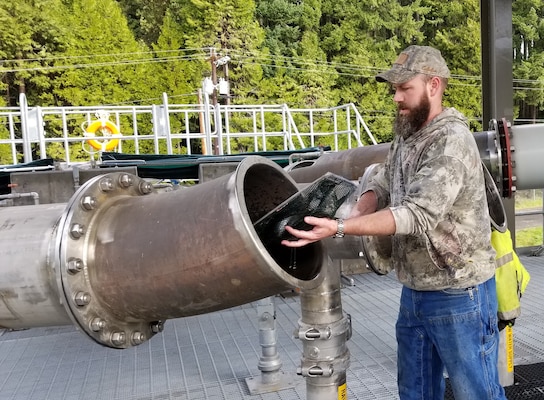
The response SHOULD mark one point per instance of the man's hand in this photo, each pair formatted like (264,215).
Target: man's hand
(379,223)
(322,228)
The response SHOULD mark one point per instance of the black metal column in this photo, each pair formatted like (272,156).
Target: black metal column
(497,75)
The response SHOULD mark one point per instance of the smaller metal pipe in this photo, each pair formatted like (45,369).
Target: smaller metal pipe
(272,378)
(34,195)
(522,213)
(270,360)
(304,156)
(27,169)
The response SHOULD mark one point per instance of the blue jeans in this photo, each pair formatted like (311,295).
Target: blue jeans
(455,330)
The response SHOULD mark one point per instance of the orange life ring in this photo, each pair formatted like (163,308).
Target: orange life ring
(111,136)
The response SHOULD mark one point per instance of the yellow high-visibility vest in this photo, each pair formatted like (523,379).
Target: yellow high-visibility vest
(511,276)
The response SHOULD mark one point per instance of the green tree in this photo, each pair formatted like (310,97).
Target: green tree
(280,55)
(230,28)
(31,35)
(103,64)
(225,28)
(363,38)
(145,18)
(179,73)
(454,28)
(316,76)
(280,20)
(528,52)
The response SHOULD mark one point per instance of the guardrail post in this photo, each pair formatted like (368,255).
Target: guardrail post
(27,150)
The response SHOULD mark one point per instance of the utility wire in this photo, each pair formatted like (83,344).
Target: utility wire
(237,57)
(49,58)
(266,61)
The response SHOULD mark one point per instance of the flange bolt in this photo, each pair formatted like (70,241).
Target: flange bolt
(118,338)
(138,338)
(89,203)
(106,184)
(75,265)
(125,180)
(82,298)
(77,230)
(157,326)
(97,324)
(145,187)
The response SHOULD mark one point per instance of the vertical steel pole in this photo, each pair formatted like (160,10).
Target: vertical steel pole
(27,148)
(272,378)
(497,73)
(324,330)
(497,94)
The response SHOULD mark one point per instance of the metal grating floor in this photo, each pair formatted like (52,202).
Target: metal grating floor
(211,355)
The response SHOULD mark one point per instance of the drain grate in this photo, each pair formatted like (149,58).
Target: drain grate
(528,383)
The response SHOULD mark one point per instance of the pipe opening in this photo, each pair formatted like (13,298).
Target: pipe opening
(264,189)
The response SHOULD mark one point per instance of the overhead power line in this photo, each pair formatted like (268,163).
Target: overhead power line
(98,55)
(237,57)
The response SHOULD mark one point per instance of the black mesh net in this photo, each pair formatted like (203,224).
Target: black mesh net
(321,198)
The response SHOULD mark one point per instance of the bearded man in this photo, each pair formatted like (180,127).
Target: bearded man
(429,195)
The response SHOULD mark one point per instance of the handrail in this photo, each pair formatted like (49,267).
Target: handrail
(363,123)
(40,132)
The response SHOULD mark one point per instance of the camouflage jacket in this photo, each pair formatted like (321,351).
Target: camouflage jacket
(433,183)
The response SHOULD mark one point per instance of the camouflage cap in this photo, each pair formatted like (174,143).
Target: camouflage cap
(415,60)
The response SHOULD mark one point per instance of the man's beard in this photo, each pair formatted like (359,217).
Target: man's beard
(407,125)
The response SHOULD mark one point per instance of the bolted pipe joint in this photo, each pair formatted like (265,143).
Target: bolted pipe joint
(92,263)
(99,237)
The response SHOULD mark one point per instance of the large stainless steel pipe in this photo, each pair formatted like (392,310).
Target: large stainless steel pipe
(29,294)
(528,148)
(350,164)
(516,150)
(514,155)
(119,259)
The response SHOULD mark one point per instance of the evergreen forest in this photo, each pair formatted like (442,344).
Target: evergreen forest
(303,53)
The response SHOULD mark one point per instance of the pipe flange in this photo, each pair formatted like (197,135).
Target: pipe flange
(376,249)
(505,167)
(77,235)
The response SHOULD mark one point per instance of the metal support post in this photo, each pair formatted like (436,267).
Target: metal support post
(506,356)
(324,330)
(27,148)
(206,88)
(272,378)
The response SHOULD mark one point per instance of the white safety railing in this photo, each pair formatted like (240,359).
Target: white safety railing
(30,133)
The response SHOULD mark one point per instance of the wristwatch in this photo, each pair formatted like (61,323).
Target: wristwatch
(339,228)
